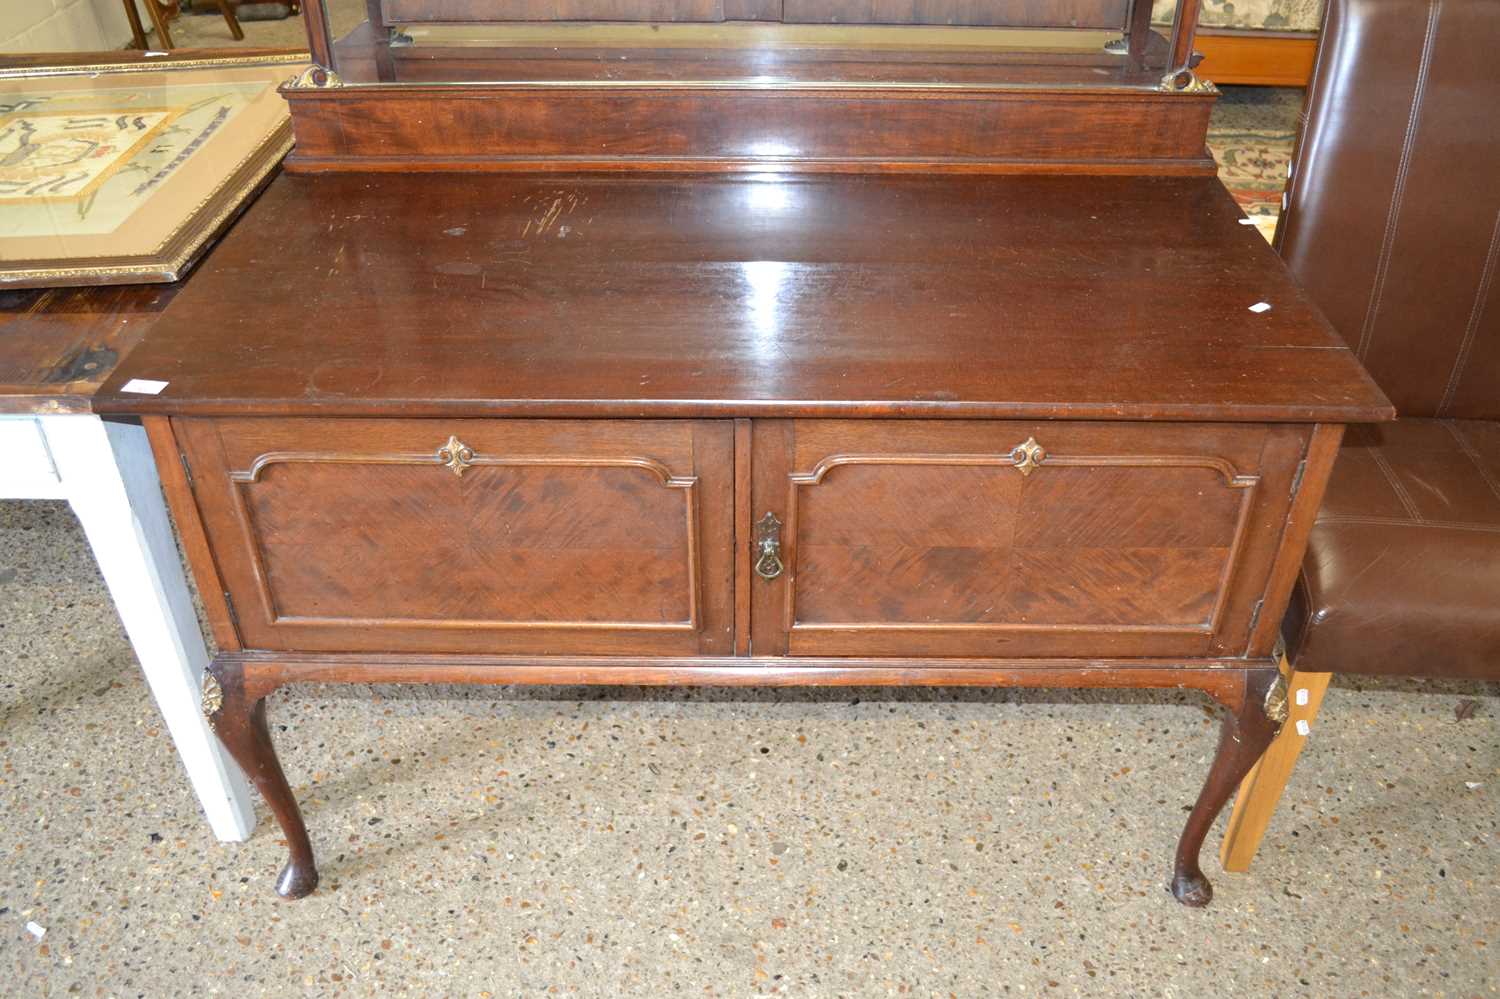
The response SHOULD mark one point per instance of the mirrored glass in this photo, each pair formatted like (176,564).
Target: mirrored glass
(793,43)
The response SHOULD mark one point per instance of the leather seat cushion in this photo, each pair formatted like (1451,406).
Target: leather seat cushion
(1402,573)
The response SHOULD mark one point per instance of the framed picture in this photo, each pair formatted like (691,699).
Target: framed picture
(124,173)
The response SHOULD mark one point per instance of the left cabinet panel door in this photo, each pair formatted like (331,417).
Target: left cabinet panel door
(482,536)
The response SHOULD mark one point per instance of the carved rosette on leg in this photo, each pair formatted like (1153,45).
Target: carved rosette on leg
(239,720)
(1246,733)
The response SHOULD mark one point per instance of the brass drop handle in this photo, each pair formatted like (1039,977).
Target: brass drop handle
(768,547)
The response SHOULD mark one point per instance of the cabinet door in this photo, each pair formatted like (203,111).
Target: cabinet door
(937,538)
(498,536)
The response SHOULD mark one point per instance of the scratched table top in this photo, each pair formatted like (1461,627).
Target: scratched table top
(57,346)
(619,296)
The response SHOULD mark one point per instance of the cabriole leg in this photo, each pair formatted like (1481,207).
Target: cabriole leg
(239,720)
(1244,736)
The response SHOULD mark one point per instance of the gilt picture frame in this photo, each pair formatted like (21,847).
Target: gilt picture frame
(124,173)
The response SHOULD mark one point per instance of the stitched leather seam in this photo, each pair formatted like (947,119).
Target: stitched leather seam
(1398,194)
(1396,486)
(1447,525)
(1486,276)
(1468,449)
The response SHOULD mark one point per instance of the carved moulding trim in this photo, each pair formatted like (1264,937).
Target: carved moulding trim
(1222,678)
(1004,90)
(262,462)
(1233,479)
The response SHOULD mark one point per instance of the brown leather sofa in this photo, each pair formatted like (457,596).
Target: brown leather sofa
(1392,222)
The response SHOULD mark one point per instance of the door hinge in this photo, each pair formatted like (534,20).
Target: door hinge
(186,468)
(1255,615)
(1297,476)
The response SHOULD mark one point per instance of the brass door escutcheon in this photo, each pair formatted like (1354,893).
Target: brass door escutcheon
(768,547)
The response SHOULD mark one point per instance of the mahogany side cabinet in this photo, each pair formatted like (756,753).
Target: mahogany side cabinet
(758,430)
(746,342)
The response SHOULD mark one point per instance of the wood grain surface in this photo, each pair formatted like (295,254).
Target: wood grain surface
(584,296)
(58,345)
(551,536)
(924,538)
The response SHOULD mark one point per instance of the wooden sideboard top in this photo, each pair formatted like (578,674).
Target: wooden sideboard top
(1008,296)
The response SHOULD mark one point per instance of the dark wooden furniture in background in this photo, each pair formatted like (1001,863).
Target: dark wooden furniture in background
(161,14)
(783,419)
(1393,225)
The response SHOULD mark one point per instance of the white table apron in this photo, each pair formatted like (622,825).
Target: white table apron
(106,472)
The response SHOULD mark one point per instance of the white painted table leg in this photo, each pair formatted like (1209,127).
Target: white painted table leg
(109,477)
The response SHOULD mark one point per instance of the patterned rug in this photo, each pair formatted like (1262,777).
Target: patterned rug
(1251,136)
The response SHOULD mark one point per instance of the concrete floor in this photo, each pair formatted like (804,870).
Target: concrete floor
(513,841)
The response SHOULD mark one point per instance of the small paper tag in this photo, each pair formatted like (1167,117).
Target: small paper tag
(36,929)
(1303,728)
(1301,696)
(143,386)
(1261,307)
(1247,221)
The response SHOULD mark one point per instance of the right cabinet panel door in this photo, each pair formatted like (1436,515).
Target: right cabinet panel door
(1004,539)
